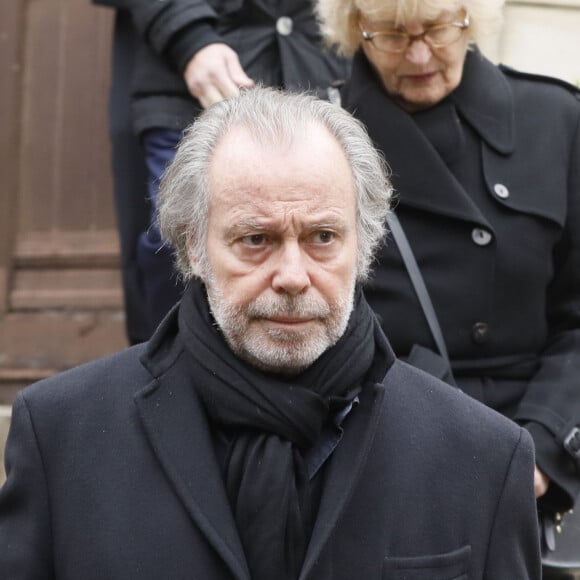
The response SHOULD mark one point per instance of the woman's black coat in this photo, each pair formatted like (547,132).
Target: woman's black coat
(488,192)
(278,43)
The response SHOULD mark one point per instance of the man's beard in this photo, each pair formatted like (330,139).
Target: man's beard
(281,350)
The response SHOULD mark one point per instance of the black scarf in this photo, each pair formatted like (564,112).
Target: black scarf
(272,419)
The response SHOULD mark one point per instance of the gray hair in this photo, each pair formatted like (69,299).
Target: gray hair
(339,18)
(272,116)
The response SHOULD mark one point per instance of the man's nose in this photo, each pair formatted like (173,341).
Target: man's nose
(418,52)
(291,274)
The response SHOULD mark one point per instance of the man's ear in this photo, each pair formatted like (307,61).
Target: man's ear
(196,262)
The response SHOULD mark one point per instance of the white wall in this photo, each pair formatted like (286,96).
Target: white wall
(4,424)
(540,36)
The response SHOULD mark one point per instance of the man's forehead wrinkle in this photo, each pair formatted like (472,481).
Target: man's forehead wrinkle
(251,182)
(283,210)
(265,201)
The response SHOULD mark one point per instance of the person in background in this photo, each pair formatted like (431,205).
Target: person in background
(129,174)
(485,163)
(267,430)
(190,54)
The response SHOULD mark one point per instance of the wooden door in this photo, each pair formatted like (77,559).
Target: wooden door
(60,295)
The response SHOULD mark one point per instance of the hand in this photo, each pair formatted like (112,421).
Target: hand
(541,482)
(214,74)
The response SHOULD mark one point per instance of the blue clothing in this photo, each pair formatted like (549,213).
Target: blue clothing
(161,285)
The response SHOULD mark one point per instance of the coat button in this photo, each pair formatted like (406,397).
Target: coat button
(481,237)
(480,332)
(284,25)
(501,190)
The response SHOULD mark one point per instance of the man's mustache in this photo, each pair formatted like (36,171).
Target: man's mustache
(297,306)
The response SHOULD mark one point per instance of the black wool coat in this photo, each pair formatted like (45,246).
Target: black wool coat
(278,43)
(488,192)
(112,474)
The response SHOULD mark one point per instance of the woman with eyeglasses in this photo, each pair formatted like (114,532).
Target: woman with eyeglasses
(486,164)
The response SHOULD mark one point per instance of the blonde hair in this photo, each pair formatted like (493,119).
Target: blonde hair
(339,18)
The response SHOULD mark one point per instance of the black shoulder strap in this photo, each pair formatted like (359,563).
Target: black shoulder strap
(417,281)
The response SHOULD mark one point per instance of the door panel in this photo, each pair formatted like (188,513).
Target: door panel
(60,293)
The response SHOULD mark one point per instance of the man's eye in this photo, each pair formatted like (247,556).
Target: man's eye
(323,237)
(254,240)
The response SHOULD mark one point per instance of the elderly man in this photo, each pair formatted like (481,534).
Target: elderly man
(188,55)
(267,430)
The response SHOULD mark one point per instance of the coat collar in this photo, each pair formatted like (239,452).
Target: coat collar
(485,100)
(416,166)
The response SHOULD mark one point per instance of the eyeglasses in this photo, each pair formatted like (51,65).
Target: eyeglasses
(435,36)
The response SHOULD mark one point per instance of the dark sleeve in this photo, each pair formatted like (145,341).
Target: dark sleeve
(25,531)
(514,550)
(175,29)
(550,409)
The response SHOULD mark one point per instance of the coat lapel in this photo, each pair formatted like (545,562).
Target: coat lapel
(344,469)
(416,166)
(180,436)
(485,100)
